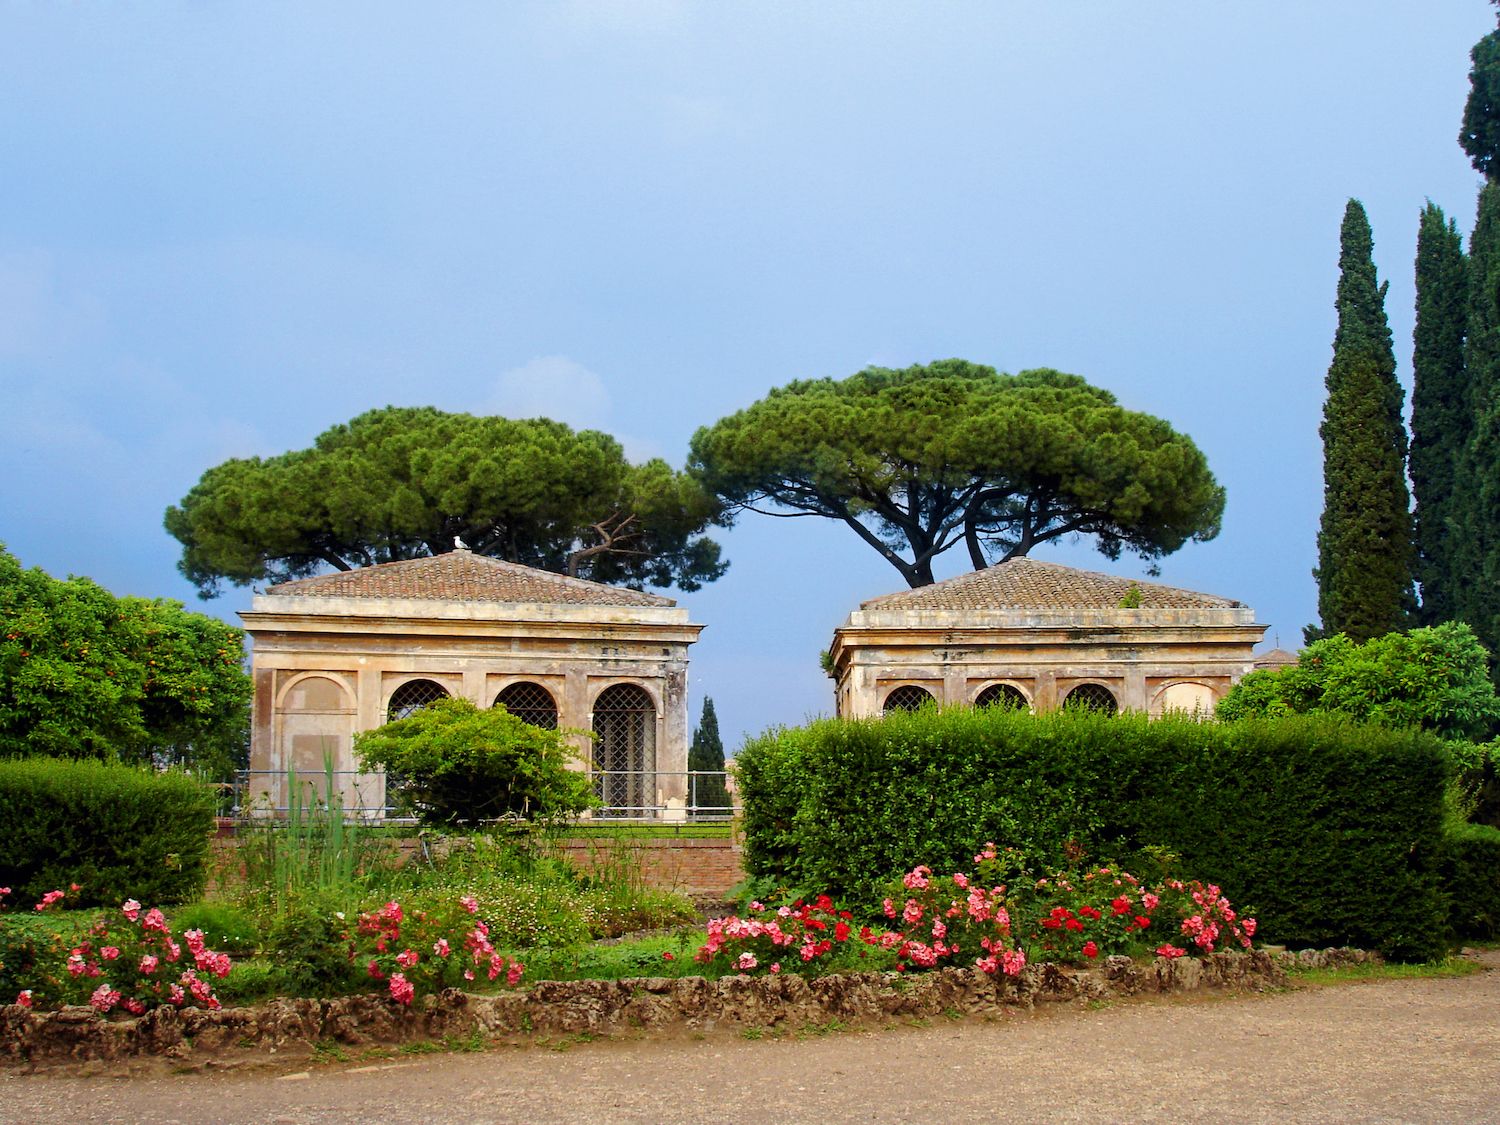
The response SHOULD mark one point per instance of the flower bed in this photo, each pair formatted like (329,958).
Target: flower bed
(996,919)
(786,1000)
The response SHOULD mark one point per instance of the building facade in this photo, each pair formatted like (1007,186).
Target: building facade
(1039,635)
(342,653)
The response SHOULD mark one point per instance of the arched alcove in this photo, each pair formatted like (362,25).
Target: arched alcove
(529,702)
(907,697)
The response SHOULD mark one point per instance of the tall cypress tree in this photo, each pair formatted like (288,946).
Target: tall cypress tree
(1480,135)
(707,753)
(1475,557)
(1440,416)
(1364,542)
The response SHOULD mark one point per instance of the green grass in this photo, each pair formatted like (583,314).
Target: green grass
(1349,974)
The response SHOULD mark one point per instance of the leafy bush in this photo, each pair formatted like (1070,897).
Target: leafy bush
(1471,879)
(1330,831)
(460,765)
(117,831)
(1436,678)
(309,945)
(84,674)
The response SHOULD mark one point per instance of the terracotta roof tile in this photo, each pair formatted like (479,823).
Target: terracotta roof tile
(1277,658)
(462,576)
(1025,583)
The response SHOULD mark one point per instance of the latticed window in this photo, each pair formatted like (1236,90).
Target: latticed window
(411,697)
(529,702)
(907,697)
(1001,695)
(1091,697)
(625,749)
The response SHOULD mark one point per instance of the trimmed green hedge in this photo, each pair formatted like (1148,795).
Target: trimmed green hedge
(1329,831)
(118,831)
(1471,878)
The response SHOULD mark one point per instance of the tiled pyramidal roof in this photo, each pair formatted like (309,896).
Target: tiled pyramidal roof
(461,576)
(1025,583)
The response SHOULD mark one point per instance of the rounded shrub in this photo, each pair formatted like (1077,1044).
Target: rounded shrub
(117,831)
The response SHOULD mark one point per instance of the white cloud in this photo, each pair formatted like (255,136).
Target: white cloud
(551,386)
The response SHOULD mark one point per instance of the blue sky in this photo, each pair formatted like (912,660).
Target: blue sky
(227,226)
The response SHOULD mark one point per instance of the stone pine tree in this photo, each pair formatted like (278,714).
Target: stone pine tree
(1440,417)
(1475,559)
(1364,568)
(707,753)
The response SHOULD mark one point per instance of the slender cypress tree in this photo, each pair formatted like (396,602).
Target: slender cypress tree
(1475,557)
(1440,417)
(1480,135)
(1364,542)
(707,753)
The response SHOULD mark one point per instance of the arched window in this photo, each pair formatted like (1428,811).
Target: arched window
(529,702)
(1002,695)
(1091,697)
(625,749)
(411,697)
(907,697)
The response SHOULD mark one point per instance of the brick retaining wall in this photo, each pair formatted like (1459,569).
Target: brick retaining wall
(693,865)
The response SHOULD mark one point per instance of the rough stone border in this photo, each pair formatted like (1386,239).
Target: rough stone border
(601,1007)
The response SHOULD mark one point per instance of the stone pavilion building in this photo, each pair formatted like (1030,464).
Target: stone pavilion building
(346,652)
(1039,635)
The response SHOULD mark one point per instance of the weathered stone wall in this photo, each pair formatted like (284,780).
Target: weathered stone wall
(787,1001)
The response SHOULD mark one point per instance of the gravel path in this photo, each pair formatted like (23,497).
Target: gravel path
(1414,1051)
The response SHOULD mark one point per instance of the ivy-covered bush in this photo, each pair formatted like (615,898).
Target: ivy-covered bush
(1330,831)
(117,831)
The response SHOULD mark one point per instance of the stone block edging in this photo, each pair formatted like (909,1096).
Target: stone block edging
(603,1007)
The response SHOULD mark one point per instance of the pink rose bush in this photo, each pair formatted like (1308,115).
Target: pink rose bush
(133,962)
(801,938)
(995,919)
(417,952)
(1066,916)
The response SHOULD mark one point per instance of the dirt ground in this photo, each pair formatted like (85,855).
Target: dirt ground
(1419,1051)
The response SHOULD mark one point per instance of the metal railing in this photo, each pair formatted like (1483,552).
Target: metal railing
(669,796)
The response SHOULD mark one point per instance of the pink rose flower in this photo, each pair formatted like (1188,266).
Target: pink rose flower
(131,909)
(109,953)
(402,990)
(24,998)
(104,998)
